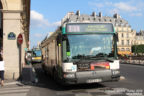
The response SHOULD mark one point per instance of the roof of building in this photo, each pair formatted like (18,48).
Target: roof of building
(116,19)
(141,33)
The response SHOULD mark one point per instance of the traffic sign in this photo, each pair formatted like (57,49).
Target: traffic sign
(20,39)
(11,36)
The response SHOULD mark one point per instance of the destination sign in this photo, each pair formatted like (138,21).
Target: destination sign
(89,28)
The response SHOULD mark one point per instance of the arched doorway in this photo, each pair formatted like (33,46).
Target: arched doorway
(1,27)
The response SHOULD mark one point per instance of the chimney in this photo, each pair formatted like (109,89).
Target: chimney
(100,14)
(116,16)
(94,14)
(78,13)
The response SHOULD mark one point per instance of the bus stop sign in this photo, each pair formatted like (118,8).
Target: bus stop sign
(20,39)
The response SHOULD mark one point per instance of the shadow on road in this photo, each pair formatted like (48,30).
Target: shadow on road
(45,81)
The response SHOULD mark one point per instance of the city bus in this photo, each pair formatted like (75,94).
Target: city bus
(79,53)
(36,55)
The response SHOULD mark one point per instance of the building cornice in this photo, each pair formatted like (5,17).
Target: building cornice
(11,11)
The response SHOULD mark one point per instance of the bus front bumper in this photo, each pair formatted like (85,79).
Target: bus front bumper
(36,61)
(91,76)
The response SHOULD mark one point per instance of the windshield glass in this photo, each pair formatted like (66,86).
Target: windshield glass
(37,53)
(98,45)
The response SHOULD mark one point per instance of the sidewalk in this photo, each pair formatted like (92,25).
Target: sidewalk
(14,88)
(22,86)
(133,62)
(28,74)
(11,83)
(28,77)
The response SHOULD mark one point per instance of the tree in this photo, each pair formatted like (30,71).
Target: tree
(138,49)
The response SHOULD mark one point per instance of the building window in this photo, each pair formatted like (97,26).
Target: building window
(122,35)
(122,42)
(127,49)
(127,42)
(132,43)
(122,49)
(127,35)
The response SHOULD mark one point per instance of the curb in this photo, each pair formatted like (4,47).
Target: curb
(11,83)
(29,75)
(14,83)
(133,64)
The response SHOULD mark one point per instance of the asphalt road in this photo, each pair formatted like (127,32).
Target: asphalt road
(133,83)
(134,77)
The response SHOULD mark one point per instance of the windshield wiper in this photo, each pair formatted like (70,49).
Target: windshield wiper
(78,56)
(101,55)
(91,57)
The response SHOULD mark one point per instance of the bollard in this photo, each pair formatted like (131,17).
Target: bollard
(13,75)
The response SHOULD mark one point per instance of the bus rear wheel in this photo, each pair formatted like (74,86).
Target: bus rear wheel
(55,75)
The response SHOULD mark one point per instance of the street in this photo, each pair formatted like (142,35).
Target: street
(133,83)
(87,41)
(134,77)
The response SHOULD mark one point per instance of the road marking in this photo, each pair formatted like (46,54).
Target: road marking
(15,88)
(122,78)
(12,83)
(16,94)
(83,94)
(14,91)
(100,92)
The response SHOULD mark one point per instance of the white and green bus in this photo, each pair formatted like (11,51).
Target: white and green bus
(36,55)
(82,53)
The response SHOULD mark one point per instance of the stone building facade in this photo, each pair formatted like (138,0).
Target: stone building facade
(139,39)
(14,20)
(125,33)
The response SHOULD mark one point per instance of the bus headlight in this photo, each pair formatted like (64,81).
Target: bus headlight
(69,67)
(69,75)
(115,72)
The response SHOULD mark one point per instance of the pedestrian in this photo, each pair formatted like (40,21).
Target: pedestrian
(1,68)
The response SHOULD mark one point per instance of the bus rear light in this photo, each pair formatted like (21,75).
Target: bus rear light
(107,66)
(92,67)
(96,65)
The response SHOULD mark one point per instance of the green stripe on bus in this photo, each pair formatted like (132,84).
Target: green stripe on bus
(63,30)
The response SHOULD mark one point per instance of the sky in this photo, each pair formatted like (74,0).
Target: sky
(46,15)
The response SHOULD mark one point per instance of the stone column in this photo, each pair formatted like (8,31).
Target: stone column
(11,23)
(23,50)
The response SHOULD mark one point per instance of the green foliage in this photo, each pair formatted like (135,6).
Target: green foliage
(138,49)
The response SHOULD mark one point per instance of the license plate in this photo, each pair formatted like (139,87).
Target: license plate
(94,80)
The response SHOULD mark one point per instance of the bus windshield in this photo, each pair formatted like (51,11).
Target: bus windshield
(36,53)
(94,45)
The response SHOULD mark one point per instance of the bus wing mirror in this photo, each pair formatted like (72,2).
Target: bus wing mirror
(116,37)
